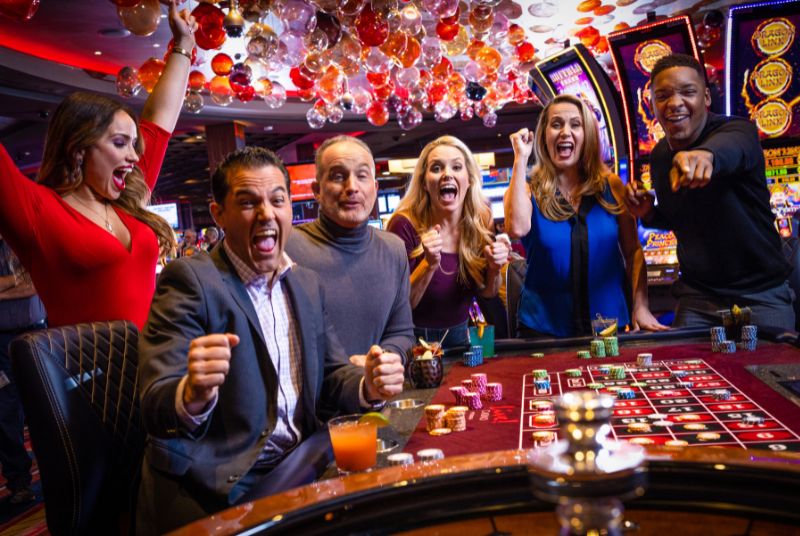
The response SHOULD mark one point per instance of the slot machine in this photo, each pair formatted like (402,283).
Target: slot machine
(762,83)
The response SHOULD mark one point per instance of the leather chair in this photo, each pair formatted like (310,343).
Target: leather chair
(79,392)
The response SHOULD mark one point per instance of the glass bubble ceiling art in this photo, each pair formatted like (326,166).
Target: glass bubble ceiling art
(384,60)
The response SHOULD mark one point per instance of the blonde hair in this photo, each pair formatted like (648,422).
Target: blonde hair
(476,216)
(79,121)
(544,177)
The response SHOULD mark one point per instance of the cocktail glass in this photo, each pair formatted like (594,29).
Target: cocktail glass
(483,336)
(354,443)
(604,326)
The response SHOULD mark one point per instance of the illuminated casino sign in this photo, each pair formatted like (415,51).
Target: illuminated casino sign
(648,53)
(762,57)
(773,37)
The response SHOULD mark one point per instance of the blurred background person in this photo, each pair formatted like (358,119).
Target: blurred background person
(20,311)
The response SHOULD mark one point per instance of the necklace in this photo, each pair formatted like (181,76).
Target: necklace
(108,225)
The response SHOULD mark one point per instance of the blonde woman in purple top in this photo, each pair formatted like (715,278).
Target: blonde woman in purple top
(445,222)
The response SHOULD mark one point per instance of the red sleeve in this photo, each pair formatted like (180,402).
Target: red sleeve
(155,140)
(400,226)
(20,200)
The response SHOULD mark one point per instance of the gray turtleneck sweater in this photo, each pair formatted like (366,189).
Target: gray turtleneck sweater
(364,273)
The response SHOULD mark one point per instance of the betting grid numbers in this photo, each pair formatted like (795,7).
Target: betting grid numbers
(690,411)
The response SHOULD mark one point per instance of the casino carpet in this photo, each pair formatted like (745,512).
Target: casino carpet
(23,519)
(497,426)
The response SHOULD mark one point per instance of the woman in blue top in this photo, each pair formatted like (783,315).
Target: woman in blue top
(582,248)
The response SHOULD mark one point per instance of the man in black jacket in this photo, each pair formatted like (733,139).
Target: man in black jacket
(708,175)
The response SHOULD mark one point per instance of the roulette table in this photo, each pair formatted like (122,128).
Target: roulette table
(741,477)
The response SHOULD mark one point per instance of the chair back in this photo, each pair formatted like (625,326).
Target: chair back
(79,392)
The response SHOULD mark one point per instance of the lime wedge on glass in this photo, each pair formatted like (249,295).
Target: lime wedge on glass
(373,417)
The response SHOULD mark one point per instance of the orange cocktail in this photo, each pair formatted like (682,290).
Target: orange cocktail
(355,444)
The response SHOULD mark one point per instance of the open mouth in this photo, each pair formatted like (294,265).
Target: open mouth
(265,241)
(677,118)
(564,149)
(119,177)
(448,192)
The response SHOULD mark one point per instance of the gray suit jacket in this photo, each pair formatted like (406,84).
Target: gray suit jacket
(203,294)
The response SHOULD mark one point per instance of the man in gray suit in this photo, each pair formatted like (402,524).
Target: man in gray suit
(236,357)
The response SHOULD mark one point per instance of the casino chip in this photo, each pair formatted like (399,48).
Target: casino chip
(676,443)
(595,385)
(639,427)
(708,436)
(439,431)
(641,441)
(695,426)
(664,423)
(543,437)
(537,355)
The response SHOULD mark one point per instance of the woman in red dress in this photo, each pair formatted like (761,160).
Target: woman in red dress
(82,229)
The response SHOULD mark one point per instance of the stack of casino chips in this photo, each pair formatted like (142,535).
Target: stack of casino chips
(434,415)
(597,348)
(400,458)
(752,420)
(541,380)
(644,360)
(456,418)
(470,386)
(473,400)
(612,346)
(494,391)
(617,372)
(458,394)
(722,394)
(584,354)
(727,347)
(626,394)
(717,337)
(472,359)
(749,338)
(479,381)
(430,455)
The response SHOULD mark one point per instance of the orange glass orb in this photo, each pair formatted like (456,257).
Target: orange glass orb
(197,80)
(410,55)
(604,10)
(222,64)
(446,32)
(377,113)
(150,72)
(383,92)
(378,79)
(489,59)
(525,52)
(443,69)
(437,92)
(474,47)
(516,34)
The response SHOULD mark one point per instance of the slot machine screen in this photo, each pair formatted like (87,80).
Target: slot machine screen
(301,177)
(168,211)
(783,177)
(763,56)
(635,52)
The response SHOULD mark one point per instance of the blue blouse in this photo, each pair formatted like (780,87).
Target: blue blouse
(575,271)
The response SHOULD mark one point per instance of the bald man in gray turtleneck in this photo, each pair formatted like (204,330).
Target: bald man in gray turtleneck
(364,271)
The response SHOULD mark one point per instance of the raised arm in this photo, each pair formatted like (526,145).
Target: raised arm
(635,268)
(517,202)
(163,106)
